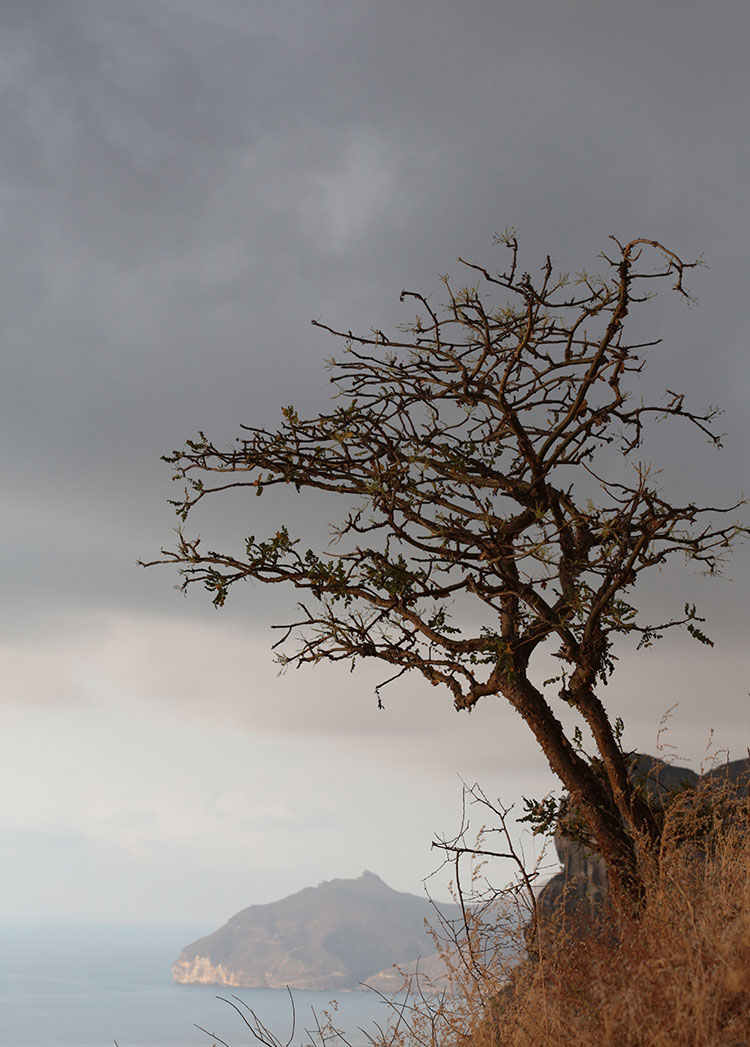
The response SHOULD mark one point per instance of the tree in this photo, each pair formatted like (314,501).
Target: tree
(496,506)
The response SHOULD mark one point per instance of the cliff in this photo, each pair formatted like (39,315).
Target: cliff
(580,889)
(334,936)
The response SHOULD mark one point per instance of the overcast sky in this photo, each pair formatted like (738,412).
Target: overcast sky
(184,185)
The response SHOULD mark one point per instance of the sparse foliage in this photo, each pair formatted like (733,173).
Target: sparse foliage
(497,507)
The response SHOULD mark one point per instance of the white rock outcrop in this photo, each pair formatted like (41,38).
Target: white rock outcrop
(200,971)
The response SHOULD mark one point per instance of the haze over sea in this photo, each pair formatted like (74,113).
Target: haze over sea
(78,986)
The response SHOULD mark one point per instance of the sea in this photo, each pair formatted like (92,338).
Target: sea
(84,986)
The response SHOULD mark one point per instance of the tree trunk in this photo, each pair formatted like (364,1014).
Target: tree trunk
(591,795)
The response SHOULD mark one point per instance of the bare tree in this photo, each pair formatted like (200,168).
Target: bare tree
(497,506)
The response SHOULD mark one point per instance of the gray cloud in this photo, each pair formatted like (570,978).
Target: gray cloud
(183,191)
(184,186)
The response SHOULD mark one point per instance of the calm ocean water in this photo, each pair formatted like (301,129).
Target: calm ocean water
(78,987)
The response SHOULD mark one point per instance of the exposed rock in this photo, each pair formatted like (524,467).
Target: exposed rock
(200,971)
(580,889)
(335,936)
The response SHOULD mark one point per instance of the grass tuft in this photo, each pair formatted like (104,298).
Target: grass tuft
(678,974)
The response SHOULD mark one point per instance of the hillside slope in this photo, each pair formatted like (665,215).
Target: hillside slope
(334,936)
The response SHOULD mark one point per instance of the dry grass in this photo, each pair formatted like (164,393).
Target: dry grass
(679,976)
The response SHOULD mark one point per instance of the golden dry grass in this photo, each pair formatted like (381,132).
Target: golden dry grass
(678,976)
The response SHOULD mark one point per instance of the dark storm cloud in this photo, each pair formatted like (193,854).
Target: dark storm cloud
(185,185)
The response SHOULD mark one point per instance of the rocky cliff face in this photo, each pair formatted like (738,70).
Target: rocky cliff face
(580,888)
(200,971)
(334,936)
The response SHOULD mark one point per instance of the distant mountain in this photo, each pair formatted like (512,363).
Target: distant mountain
(334,936)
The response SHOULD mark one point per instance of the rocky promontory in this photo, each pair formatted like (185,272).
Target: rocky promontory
(581,888)
(338,935)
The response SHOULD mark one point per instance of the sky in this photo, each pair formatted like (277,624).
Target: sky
(184,186)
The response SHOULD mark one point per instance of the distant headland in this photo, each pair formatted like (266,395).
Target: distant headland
(339,935)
